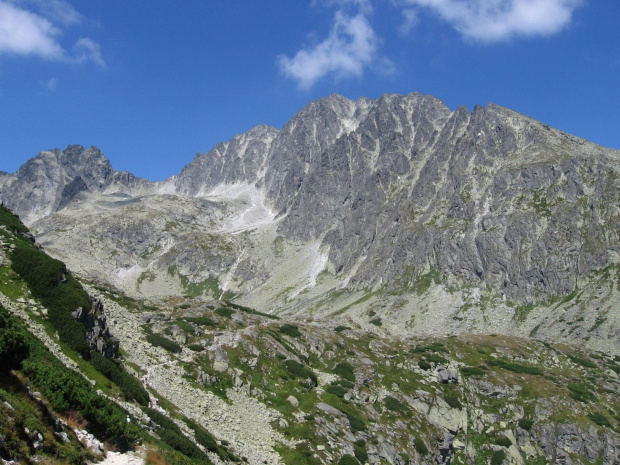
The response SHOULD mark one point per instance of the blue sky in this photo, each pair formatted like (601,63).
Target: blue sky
(151,83)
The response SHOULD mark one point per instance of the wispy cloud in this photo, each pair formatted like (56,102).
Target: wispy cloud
(50,84)
(364,6)
(57,11)
(350,47)
(34,28)
(88,50)
(497,20)
(410,21)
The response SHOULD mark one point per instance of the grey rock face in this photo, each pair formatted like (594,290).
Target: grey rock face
(242,159)
(560,442)
(484,197)
(303,141)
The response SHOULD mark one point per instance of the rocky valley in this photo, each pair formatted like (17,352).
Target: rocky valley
(380,281)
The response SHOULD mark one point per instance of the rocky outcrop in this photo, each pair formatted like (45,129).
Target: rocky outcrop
(98,333)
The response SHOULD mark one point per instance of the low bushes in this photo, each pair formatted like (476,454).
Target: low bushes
(393,404)
(420,446)
(472,371)
(50,281)
(225,312)
(336,390)
(360,453)
(346,370)
(582,361)
(526,424)
(171,434)
(290,330)
(300,371)
(200,321)
(599,419)
(433,347)
(17,414)
(14,346)
(515,367)
(498,457)
(348,459)
(356,422)
(11,221)
(130,386)
(432,358)
(206,440)
(581,393)
(251,311)
(164,342)
(424,365)
(503,441)
(453,401)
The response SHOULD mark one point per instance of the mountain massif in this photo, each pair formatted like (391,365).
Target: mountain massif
(195,383)
(378,282)
(435,221)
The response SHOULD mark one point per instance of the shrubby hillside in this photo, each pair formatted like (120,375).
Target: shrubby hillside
(211,381)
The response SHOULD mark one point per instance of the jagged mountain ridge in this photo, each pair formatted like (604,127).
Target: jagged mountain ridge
(367,196)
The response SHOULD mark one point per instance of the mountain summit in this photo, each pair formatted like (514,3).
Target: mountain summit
(397,213)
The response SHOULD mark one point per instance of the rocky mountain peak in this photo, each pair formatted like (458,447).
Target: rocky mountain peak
(50,180)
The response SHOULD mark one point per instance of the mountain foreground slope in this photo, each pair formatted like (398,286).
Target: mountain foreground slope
(396,214)
(221,383)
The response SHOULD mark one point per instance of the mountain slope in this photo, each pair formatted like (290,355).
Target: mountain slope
(230,384)
(438,220)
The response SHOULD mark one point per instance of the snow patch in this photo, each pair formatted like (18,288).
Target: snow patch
(228,278)
(350,125)
(317,262)
(256,212)
(128,272)
(167,187)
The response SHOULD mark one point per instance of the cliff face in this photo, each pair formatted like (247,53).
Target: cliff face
(399,196)
(490,197)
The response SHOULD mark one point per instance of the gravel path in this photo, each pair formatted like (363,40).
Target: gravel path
(116,458)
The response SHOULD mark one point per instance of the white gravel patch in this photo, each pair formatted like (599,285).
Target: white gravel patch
(116,458)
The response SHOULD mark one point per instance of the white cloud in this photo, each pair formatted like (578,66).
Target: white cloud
(24,32)
(350,47)
(496,20)
(87,50)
